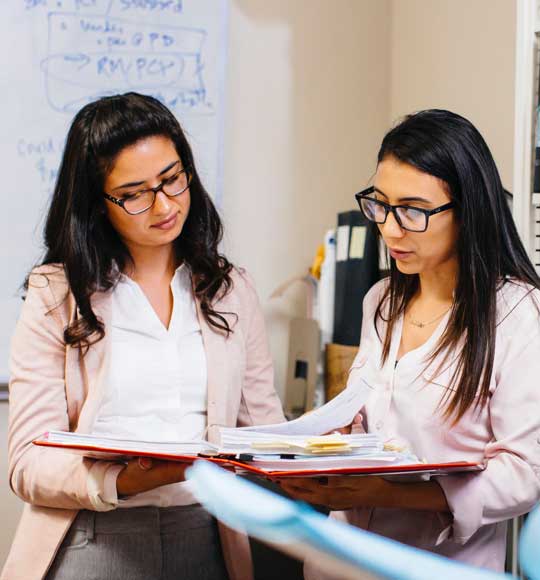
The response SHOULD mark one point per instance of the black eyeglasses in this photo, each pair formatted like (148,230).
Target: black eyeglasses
(142,200)
(413,219)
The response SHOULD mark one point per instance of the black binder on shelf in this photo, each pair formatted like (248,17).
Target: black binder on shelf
(357,269)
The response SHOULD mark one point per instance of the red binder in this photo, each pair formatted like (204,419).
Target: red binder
(413,469)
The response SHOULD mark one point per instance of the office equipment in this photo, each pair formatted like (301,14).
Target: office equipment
(60,54)
(347,552)
(339,359)
(304,342)
(304,350)
(526,205)
(357,269)
(327,288)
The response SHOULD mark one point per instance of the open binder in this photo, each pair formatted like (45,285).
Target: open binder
(118,450)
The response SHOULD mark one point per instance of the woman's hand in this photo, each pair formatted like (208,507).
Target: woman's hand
(356,426)
(337,492)
(143,473)
(342,492)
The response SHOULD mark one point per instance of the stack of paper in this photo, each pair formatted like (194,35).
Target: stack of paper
(295,448)
(239,441)
(110,447)
(301,444)
(304,462)
(318,456)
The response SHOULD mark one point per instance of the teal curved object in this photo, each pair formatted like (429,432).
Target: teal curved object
(242,505)
(529,545)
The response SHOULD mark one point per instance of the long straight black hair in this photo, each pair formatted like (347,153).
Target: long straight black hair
(78,234)
(489,250)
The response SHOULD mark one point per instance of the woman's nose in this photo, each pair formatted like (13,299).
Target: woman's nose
(391,228)
(162,204)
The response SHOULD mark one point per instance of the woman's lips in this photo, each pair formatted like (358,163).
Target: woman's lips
(167,224)
(399,254)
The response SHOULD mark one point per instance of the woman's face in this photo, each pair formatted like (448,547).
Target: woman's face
(140,166)
(431,251)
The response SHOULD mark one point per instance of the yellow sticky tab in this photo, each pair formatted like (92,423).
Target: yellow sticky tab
(325,439)
(330,451)
(271,445)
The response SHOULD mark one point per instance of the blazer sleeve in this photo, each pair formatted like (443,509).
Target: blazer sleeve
(510,484)
(259,403)
(37,403)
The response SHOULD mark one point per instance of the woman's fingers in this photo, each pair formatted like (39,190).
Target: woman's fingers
(145,463)
(143,473)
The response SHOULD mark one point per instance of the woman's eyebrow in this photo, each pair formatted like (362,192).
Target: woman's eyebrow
(136,183)
(407,198)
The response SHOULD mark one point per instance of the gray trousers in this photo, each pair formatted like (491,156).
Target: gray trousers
(143,543)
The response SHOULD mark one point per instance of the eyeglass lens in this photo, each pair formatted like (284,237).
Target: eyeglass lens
(410,218)
(144,199)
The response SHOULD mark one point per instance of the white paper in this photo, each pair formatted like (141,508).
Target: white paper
(129,445)
(338,462)
(338,412)
(238,441)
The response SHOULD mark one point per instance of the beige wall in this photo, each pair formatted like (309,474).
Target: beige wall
(458,55)
(307,106)
(312,88)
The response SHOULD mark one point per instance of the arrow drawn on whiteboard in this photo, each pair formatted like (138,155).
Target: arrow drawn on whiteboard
(79,60)
(83,59)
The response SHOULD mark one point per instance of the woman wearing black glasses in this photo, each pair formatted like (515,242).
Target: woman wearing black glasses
(450,344)
(134,326)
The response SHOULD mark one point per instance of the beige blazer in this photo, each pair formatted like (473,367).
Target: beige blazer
(54,387)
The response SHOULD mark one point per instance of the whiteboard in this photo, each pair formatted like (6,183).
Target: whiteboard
(58,55)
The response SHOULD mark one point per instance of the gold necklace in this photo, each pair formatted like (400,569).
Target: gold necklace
(423,324)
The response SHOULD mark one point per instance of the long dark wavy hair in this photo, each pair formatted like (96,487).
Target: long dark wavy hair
(78,234)
(489,250)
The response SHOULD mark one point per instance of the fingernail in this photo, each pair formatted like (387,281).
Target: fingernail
(145,463)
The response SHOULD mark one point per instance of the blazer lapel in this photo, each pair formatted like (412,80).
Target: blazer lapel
(94,364)
(215,346)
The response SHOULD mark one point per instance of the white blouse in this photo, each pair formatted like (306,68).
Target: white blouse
(155,386)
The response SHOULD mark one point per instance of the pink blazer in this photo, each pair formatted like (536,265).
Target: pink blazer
(54,387)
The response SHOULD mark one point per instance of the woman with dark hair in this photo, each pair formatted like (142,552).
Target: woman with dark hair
(450,344)
(133,326)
